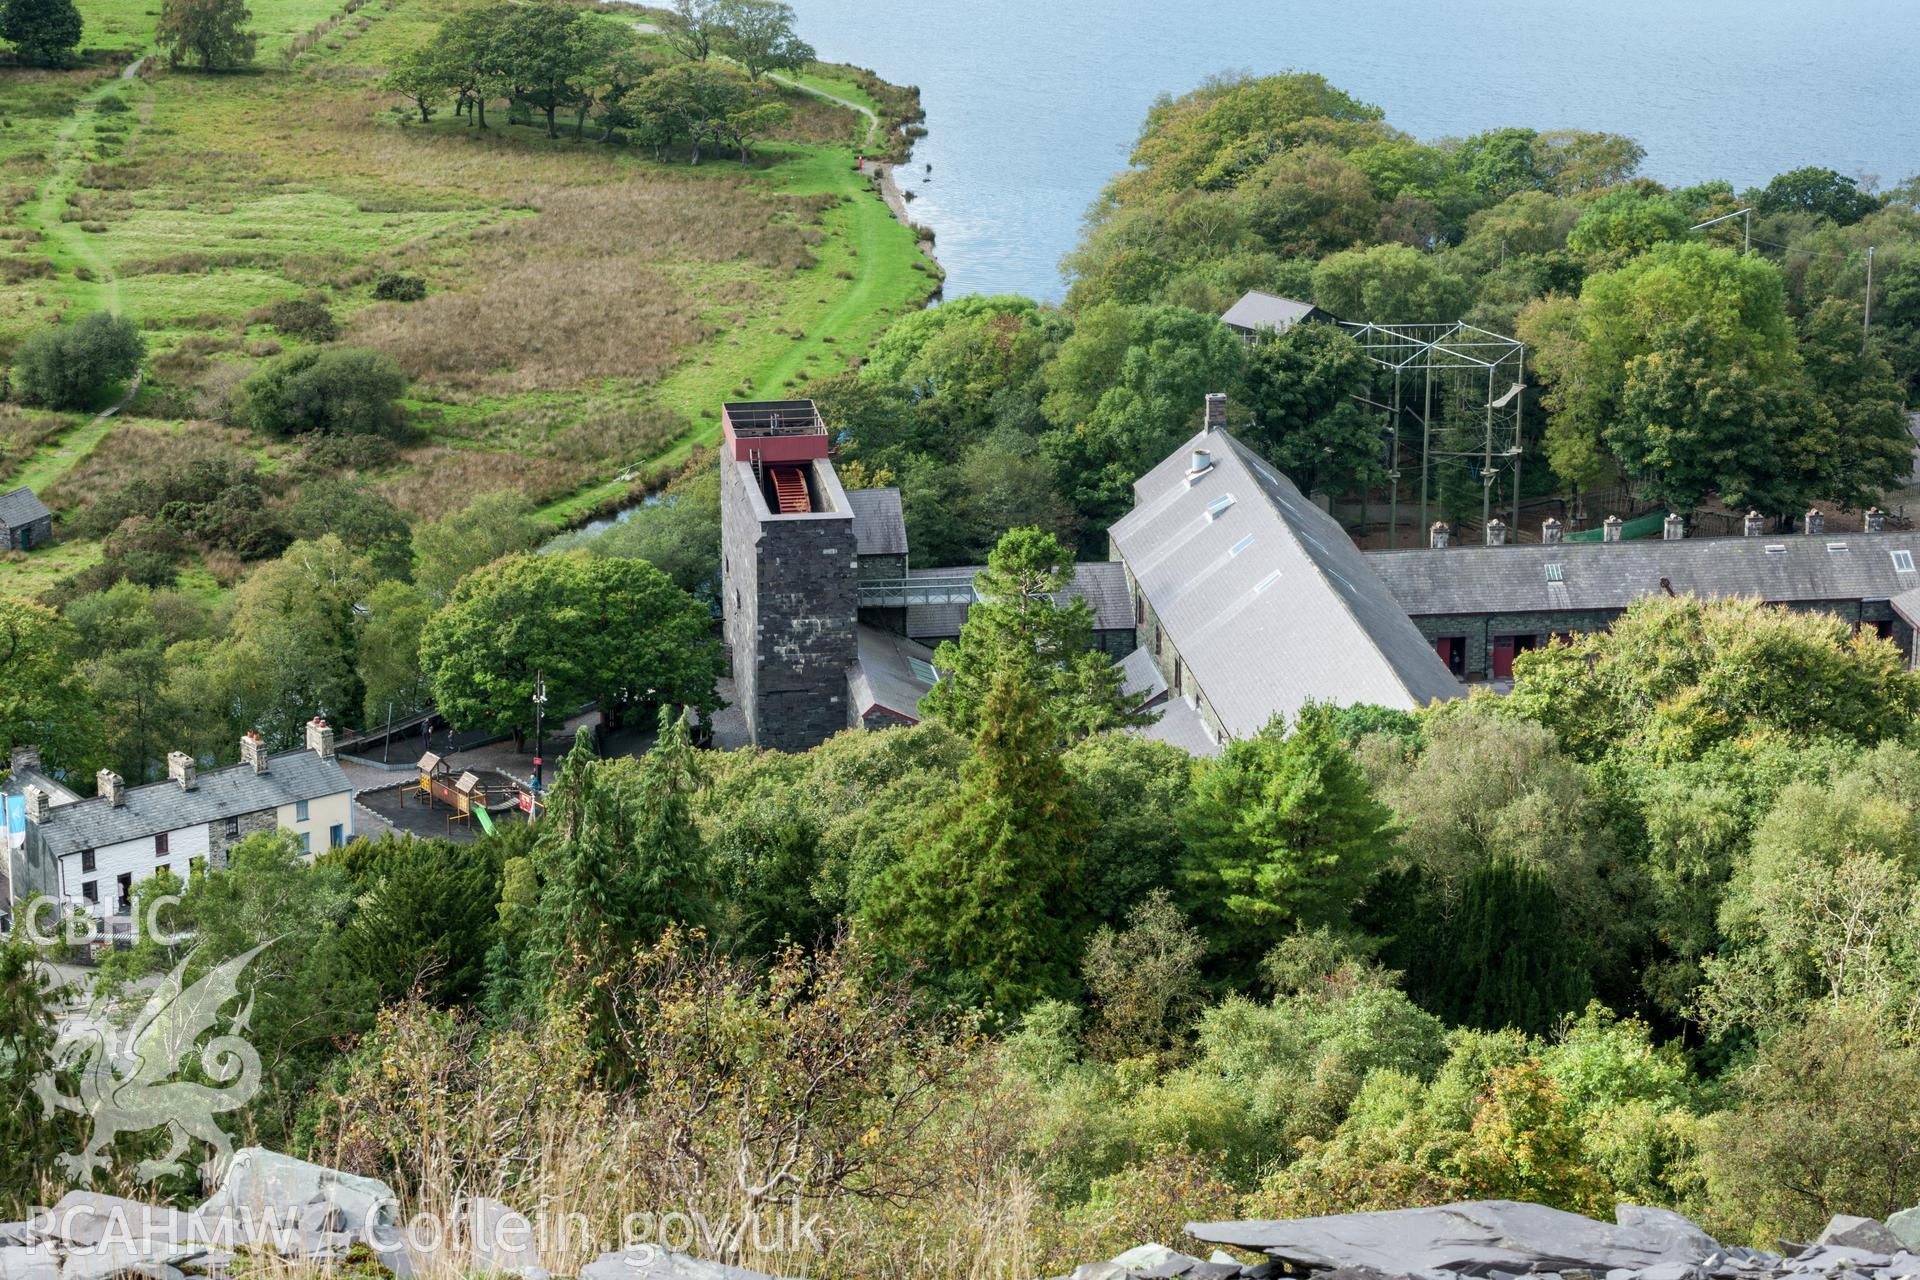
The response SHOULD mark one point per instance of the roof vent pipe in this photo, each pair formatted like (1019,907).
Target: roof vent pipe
(1202,463)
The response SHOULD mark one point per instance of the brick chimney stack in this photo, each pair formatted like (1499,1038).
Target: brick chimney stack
(1876,520)
(39,805)
(1550,531)
(320,738)
(1216,411)
(1496,532)
(253,751)
(1755,525)
(1440,535)
(112,786)
(1674,527)
(181,769)
(1815,521)
(1610,529)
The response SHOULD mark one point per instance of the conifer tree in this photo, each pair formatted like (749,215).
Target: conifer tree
(29,1134)
(1018,629)
(619,859)
(987,892)
(1510,959)
(1283,831)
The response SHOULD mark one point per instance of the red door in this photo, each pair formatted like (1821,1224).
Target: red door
(1503,657)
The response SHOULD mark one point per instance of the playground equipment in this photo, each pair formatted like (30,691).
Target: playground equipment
(472,797)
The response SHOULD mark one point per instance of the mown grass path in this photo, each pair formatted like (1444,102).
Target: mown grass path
(65,245)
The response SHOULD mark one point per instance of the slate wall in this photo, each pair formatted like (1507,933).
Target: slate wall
(788,593)
(1479,629)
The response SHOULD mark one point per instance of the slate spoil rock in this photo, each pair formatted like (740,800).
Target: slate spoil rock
(650,1263)
(1506,1240)
(1475,1238)
(1860,1233)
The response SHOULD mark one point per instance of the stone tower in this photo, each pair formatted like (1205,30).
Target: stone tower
(787,574)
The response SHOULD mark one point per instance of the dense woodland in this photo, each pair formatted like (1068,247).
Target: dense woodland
(1014,989)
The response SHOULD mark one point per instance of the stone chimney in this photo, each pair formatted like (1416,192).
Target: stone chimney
(253,751)
(1755,526)
(1440,535)
(320,738)
(39,804)
(181,769)
(1550,531)
(1496,532)
(1610,529)
(1674,527)
(112,786)
(1875,520)
(25,758)
(1815,521)
(1216,411)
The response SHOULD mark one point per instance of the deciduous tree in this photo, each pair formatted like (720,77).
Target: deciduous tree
(44,33)
(213,31)
(73,367)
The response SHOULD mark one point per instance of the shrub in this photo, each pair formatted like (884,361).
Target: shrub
(301,318)
(75,366)
(395,286)
(341,391)
(112,105)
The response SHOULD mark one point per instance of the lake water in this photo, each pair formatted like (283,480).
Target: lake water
(1032,105)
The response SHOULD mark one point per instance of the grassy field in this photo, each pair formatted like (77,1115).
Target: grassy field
(588,307)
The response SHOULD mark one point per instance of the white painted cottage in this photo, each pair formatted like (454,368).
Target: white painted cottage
(95,850)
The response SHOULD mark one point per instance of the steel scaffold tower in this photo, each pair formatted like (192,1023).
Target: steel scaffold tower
(1462,353)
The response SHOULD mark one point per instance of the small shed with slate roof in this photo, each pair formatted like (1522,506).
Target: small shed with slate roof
(25,522)
(879,533)
(1482,606)
(1252,601)
(1257,313)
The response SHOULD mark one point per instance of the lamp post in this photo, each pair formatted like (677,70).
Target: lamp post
(539,728)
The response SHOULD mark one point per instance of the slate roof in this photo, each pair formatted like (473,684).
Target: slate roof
(1263,595)
(1140,677)
(1257,310)
(220,793)
(1180,725)
(21,507)
(1794,568)
(882,674)
(1102,583)
(1907,605)
(879,529)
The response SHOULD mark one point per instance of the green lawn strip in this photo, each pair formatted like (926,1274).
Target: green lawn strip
(60,455)
(70,249)
(34,572)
